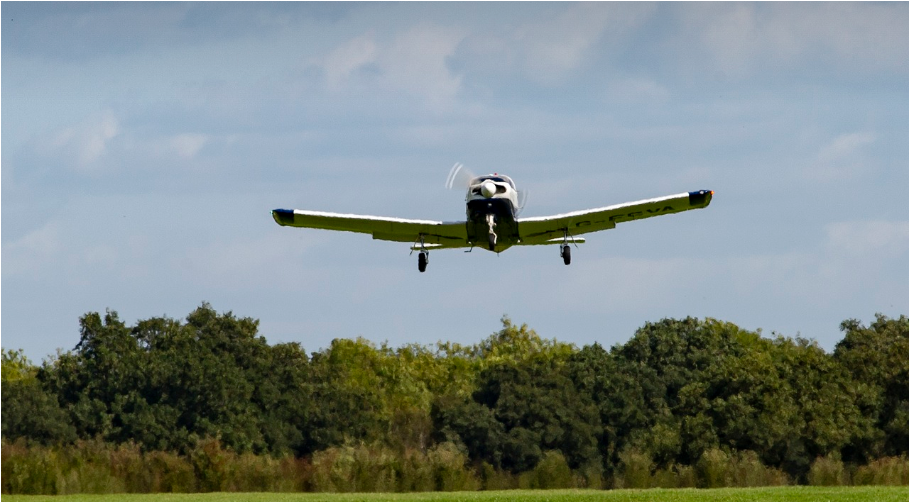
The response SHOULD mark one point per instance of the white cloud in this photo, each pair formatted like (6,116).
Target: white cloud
(413,62)
(31,254)
(88,141)
(559,45)
(348,57)
(188,145)
(844,146)
(745,37)
(638,91)
(874,238)
(842,158)
(551,49)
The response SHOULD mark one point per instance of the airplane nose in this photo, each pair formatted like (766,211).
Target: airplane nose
(488,189)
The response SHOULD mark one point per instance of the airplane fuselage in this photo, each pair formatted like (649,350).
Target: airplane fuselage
(492,209)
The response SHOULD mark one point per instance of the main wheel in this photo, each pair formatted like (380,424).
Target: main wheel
(422,262)
(566,254)
(492,242)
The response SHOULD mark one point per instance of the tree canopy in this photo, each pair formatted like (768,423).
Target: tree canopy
(676,390)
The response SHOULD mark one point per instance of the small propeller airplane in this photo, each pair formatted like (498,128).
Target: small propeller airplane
(493,205)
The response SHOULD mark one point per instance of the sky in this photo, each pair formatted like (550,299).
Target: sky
(145,144)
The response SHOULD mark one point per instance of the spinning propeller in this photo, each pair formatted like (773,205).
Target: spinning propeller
(459,177)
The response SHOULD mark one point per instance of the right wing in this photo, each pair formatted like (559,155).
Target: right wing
(435,234)
(552,229)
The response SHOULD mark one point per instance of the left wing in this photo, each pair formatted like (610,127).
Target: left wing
(435,234)
(543,230)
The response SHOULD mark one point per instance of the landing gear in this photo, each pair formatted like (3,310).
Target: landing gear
(564,251)
(422,261)
(424,257)
(491,224)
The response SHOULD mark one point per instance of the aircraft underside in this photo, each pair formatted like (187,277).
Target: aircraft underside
(491,224)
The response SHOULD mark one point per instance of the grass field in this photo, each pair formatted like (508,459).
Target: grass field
(786,493)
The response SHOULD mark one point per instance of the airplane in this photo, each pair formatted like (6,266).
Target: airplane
(492,208)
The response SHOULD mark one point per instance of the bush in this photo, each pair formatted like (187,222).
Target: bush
(161,472)
(674,476)
(883,472)
(827,471)
(747,470)
(87,468)
(29,470)
(414,473)
(450,470)
(552,472)
(378,469)
(711,469)
(333,470)
(497,480)
(634,470)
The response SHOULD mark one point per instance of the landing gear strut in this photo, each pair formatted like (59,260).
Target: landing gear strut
(564,250)
(491,224)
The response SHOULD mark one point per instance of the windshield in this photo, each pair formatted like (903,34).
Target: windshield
(494,178)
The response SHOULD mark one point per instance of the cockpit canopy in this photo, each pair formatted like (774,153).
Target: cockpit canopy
(495,178)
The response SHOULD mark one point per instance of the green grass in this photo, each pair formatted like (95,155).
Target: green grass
(786,493)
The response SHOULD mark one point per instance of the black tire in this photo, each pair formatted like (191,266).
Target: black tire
(422,262)
(566,254)
(492,242)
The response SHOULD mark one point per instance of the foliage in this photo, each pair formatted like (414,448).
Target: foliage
(876,357)
(789,493)
(206,404)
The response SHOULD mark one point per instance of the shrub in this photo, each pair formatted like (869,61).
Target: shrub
(251,473)
(552,472)
(497,480)
(747,470)
(297,470)
(883,472)
(450,470)
(333,468)
(634,470)
(685,476)
(711,470)
(592,476)
(87,468)
(29,470)
(827,471)
(354,469)
(414,473)
(163,472)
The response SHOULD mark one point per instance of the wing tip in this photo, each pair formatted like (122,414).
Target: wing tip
(283,216)
(700,198)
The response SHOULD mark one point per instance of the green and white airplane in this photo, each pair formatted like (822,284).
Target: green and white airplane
(493,205)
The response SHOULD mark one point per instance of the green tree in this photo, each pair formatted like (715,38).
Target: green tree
(618,395)
(166,384)
(536,407)
(876,357)
(29,411)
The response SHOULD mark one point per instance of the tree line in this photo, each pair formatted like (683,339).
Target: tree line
(679,397)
